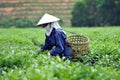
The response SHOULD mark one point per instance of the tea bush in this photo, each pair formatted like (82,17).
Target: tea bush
(19,61)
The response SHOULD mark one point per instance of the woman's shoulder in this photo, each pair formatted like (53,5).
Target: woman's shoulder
(59,32)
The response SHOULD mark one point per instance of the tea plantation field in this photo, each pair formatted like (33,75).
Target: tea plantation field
(18,60)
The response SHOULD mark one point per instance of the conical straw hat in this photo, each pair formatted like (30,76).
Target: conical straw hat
(47,18)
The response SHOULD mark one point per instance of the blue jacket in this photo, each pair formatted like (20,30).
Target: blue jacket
(57,43)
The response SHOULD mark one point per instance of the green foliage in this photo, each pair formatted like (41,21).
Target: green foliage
(78,15)
(19,61)
(24,22)
(17,22)
(96,13)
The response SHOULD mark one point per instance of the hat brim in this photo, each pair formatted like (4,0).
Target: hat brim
(47,18)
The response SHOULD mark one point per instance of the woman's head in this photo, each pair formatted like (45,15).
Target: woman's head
(53,25)
(44,25)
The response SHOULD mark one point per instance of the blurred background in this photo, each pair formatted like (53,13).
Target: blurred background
(75,13)
(26,13)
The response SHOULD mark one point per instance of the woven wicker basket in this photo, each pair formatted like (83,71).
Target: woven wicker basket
(79,44)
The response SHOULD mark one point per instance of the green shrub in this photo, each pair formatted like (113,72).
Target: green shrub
(24,22)
(17,22)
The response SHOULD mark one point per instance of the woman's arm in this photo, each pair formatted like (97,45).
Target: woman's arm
(47,45)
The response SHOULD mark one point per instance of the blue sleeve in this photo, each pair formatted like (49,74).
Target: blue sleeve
(60,41)
(47,45)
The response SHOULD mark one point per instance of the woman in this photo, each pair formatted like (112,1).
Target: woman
(55,40)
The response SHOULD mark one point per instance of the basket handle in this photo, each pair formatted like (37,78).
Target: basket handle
(70,32)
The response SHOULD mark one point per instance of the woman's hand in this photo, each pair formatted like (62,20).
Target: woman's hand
(48,53)
(38,50)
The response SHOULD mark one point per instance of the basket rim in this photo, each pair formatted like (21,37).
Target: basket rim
(86,42)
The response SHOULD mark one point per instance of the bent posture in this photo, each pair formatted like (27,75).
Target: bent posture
(55,40)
